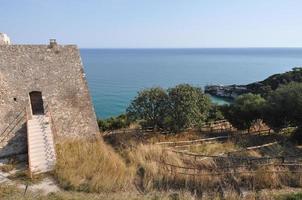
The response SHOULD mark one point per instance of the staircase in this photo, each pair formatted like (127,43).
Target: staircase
(41,148)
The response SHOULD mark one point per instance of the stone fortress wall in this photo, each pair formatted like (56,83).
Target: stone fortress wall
(57,72)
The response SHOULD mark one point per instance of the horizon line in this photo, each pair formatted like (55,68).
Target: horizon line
(189,47)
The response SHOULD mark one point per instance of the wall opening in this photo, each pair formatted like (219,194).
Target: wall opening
(36,102)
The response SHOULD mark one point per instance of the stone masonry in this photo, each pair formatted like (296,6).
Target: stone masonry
(57,72)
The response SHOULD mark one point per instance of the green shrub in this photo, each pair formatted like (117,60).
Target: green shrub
(294,196)
(113,123)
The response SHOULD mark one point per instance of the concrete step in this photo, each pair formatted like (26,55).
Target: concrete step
(42,169)
(40,133)
(41,145)
(41,150)
(40,128)
(41,138)
(42,159)
(38,141)
(42,162)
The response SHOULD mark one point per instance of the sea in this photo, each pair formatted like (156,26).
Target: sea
(116,75)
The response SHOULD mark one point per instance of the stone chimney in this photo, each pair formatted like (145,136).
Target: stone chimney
(52,43)
(4,39)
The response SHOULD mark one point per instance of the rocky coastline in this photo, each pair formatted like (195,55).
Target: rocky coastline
(228,91)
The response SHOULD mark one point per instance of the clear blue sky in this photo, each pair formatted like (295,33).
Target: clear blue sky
(154,23)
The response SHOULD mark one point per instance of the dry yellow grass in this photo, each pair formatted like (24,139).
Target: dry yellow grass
(11,192)
(148,160)
(213,148)
(91,166)
(154,174)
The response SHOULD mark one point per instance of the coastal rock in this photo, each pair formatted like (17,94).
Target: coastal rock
(229,91)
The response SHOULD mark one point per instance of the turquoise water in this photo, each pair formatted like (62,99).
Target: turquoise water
(116,75)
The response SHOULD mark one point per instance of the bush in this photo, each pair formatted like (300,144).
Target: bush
(284,107)
(114,123)
(245,111)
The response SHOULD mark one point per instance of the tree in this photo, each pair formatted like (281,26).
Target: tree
(245,111)
(113,123)
(284,107)
(215,113)
(188,107)
(150,106)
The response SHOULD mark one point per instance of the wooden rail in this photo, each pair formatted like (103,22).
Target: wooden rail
(173,168)
(192,141)
(52,126)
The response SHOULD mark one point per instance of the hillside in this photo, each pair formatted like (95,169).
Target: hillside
(276,80)
(262,87)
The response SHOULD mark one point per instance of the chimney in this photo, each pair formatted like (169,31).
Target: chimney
(4,39)
(52,43)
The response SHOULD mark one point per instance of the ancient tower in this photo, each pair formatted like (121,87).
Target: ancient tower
(42,80)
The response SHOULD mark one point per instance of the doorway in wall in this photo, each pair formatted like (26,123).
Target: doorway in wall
(36,102)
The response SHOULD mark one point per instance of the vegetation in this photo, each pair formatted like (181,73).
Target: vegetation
(90,166)
(245,111)
(113,123)
(281,109)
(188,107)
(150,106)
(11,192)
(294,196)
(284,107)
(86,165)
(275,81)
(175,109)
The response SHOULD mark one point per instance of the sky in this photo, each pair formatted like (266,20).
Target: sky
(154,23)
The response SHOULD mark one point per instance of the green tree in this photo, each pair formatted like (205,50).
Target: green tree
(150,106)
(215,113)
(245,111)
(113,123)
(188,107)
(284,107)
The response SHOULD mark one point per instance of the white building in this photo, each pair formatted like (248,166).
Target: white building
(4,39)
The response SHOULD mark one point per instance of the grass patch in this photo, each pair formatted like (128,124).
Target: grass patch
(90,166)
(294,196)
(11,192)
(213,148)
(7,167)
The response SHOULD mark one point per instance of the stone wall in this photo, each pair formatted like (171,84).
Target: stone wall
(58,73)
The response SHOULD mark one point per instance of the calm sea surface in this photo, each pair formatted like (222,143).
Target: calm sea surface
(116,75)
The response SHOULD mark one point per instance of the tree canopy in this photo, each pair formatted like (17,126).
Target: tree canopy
(245,110)
(150,105)
(284,107)
(188,106)
(175,109)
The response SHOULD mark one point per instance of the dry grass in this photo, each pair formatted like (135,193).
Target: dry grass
(213,148)
(10,192)
(147,159)
(91,166)
(7,167)
(154,174)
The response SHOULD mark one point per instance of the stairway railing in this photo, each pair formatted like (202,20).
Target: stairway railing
(49,114)
(21,116)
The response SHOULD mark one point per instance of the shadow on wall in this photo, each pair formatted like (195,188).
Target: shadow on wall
(15,145)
